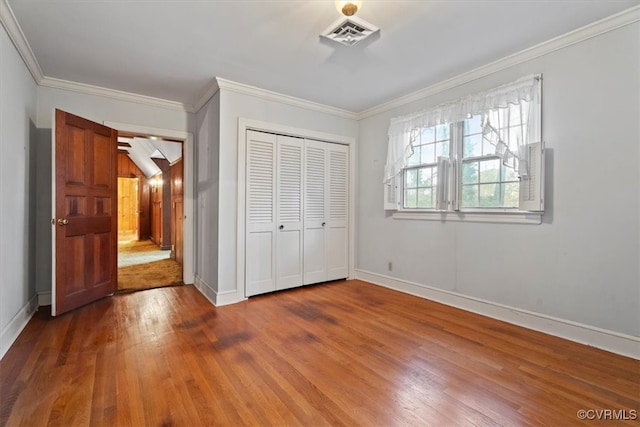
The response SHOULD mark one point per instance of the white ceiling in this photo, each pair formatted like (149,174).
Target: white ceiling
(173,49)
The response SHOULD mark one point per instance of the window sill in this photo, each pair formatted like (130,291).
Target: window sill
(485,217)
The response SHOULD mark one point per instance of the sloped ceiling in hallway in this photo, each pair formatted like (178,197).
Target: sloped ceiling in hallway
(174,49)
(142,151)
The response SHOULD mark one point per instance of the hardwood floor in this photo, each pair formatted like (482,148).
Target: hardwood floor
(347,353)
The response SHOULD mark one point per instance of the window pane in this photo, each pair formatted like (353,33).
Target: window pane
(509,174)
(415,157)
(425,198)
(490,170)
(489,195)
(473,125)
(472,146)
(428,135)
(511,195)
(411,178)
(469,196)
(442,149)
(442,132)
(410,198)
(428,154)
(470,173)
(488,148)
(424,177)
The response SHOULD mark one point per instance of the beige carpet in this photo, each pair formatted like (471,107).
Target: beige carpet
(142,265)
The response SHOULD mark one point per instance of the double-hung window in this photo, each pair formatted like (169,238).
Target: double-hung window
(420,177)
(478,155)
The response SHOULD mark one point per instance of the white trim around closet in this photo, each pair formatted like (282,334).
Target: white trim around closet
(245,124)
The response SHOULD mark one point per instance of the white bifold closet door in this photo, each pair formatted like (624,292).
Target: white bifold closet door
(260,257)
(289,212)
(296,212)
(325,212)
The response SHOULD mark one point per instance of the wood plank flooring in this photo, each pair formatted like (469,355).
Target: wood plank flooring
(346,353)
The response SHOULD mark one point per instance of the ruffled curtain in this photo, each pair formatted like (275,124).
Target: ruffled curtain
(501,109)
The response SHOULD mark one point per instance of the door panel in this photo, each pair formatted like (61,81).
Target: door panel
(260,214)
(289,212)
(338,220)
(85,190)
(315,206)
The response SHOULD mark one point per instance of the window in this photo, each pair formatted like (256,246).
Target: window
(421,177)
(487,157)
(485,181)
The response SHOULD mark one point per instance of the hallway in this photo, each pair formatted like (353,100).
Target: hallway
(142,265)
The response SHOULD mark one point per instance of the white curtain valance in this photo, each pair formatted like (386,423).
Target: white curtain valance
(524,92)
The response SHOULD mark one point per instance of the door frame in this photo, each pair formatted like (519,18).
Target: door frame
(244,125)
(188,266)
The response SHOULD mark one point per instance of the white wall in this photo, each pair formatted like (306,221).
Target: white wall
(582,263)
(207,185)
(17,132)
(232,106)
(100,109)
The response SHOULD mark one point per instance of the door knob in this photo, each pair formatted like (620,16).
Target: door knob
(63,221)
(324,223)
(281,227)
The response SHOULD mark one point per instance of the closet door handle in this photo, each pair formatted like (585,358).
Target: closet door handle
(324,223)
(281,227)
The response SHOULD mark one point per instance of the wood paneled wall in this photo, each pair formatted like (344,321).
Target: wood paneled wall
(177,212)
(156,210)
(161,206)
(126,167)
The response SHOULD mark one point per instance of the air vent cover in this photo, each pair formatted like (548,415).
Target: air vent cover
(349,30)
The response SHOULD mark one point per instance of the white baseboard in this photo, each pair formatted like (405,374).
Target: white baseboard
(216,298)
(16,325)
(614,342)
(44,298)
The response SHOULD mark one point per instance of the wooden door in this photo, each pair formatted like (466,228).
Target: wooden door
(85,221)
(156,210)
(177,211)
(144,208)
(128,208)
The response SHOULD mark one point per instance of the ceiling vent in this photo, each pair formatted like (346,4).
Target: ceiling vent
(349,30)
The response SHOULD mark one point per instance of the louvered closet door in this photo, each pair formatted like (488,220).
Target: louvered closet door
(337,233)
(260,266)
(289,212)
(315,211)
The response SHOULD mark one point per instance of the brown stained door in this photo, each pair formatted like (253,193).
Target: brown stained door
(127,208)
(85,208)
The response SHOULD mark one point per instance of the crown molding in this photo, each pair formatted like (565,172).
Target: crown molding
(602,26)
(284,99)
(114,94)
(19,40)
(212,90)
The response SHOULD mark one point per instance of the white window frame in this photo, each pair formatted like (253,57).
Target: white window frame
(451,210)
